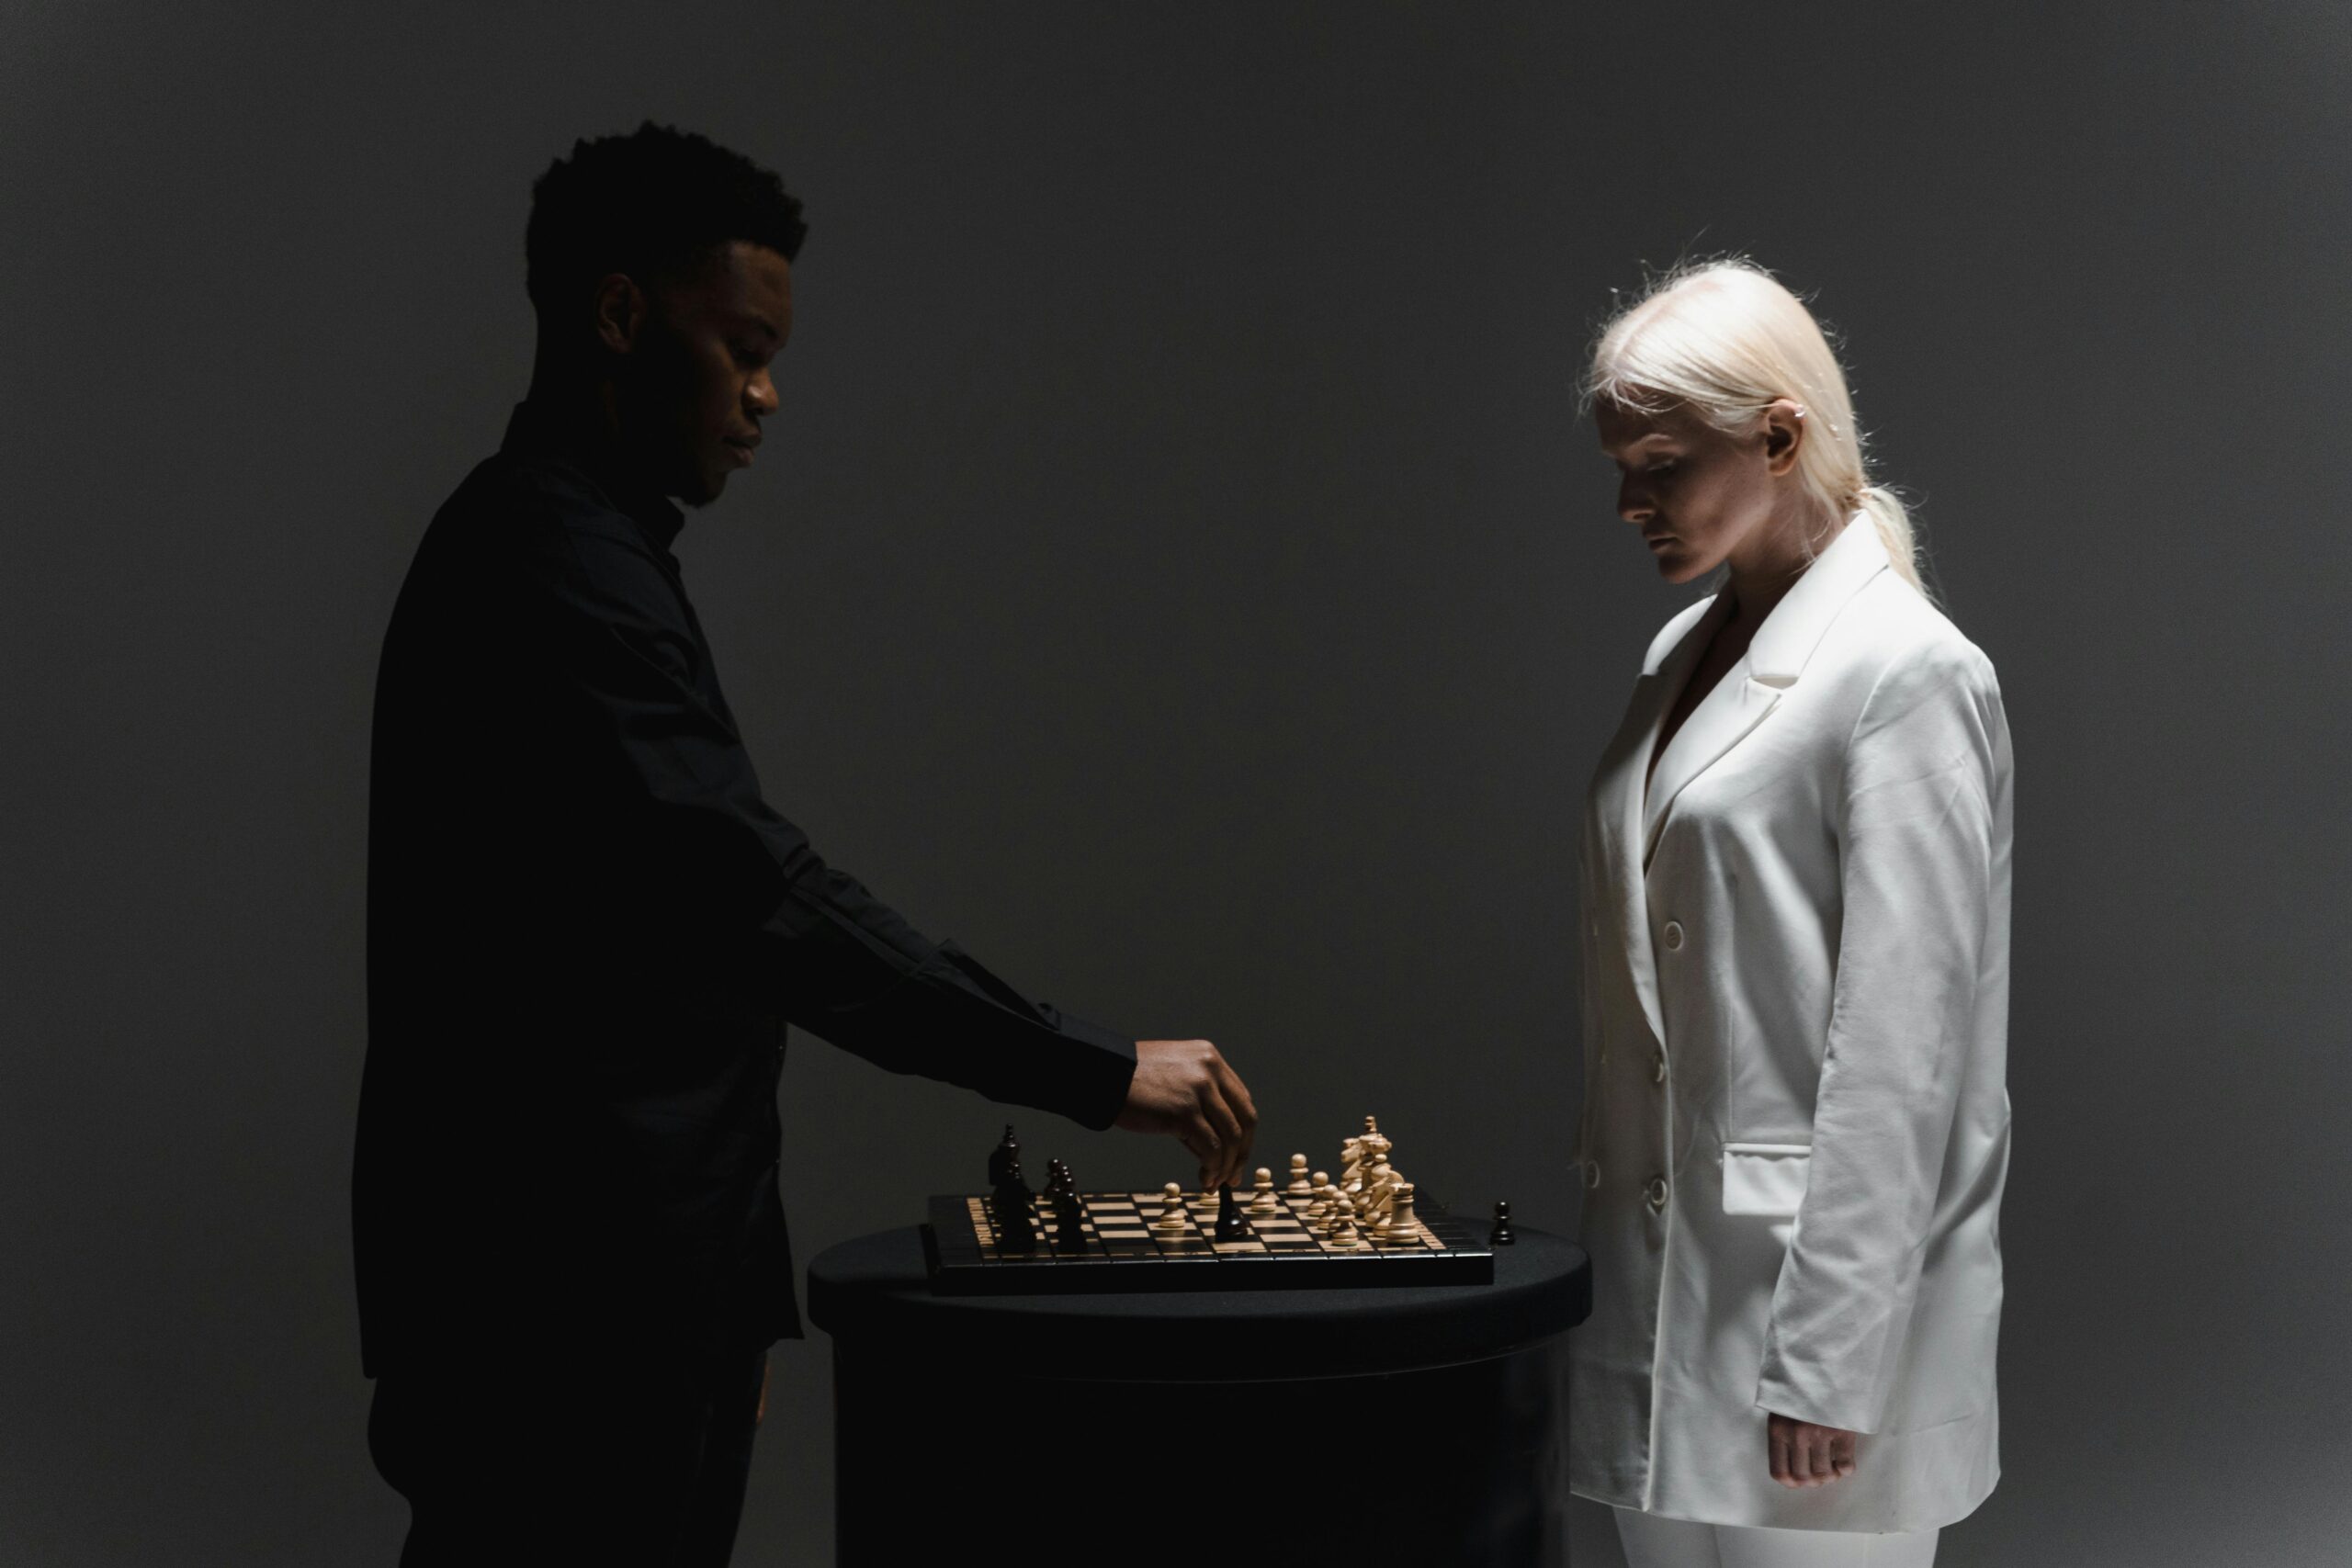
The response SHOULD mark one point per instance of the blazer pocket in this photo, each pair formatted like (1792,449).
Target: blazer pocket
(1765,1179)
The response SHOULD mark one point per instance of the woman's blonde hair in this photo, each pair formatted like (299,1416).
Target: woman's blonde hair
(1724,339)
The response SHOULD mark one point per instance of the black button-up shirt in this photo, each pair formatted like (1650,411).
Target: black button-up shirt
(586,932)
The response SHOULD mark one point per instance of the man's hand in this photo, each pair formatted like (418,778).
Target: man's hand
(1803,1454)
(1184,1088)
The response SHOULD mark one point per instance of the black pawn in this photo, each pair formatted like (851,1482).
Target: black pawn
(1058,1181)
(1231,1223)
(1501,1234)
(1069,1224)
(1005,1157)
(1015,1230)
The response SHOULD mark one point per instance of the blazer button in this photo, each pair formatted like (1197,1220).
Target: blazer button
(1657,1192)
(1658,1074)
(1674,936)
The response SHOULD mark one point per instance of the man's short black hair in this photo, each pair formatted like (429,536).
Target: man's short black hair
(651,204)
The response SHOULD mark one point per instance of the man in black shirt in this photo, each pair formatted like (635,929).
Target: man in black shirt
(587,929)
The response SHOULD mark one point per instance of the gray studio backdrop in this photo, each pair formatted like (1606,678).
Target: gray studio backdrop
(1178,576)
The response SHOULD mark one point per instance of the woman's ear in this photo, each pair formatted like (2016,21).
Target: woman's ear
(1784,419)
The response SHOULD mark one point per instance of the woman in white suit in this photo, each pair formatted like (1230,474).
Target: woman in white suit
(1796,928)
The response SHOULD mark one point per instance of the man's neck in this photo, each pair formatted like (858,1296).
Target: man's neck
(579,417)
(586,408)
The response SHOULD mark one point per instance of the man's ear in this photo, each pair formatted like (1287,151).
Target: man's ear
(1784,423)
(621,309)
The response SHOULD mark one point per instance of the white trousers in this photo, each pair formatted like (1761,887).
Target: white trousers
(1654,1543)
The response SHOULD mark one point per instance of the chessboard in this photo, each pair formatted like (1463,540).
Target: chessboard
(1124,1247)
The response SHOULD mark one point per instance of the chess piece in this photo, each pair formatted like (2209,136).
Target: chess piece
(1343,1236)
(1320,1196)
(1230,1225)
(1400,1210)
(1069,1223)
(1340,1211)
(1298,1182)
(1262,1197)
(1006,1153)
(1058,1181)
(1398,1226)
(1501,1234)
(1016,1229)
(1172,1220)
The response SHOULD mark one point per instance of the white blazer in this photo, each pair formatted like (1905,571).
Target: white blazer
(1796,1129)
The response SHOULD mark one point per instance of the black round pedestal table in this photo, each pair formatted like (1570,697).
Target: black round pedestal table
(1403,1426)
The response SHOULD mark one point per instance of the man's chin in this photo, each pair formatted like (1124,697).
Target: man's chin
(700,491)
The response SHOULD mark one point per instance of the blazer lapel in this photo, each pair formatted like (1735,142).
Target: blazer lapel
(1723,717)
(1617,792)
(1776,658)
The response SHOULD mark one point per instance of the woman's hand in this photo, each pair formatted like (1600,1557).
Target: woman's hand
(1804,1454)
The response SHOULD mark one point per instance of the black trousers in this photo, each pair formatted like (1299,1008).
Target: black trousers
(579,1463)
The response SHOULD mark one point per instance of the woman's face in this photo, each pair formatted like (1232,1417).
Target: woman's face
(1701,497)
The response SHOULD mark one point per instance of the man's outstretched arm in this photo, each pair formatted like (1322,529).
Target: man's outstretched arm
(760,922)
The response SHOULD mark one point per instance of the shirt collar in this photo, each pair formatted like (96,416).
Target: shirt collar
(533,428)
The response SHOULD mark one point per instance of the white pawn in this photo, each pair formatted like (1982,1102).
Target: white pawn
(1320,1195)
(1298,1182)
(1171,1211)
(1343,1236)
(1262,1193)
(1342,1211)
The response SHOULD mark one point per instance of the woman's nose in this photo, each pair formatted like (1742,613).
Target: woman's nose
(1632,504)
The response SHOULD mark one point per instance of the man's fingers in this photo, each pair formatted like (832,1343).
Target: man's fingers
(1237,1093)
(1244,1112)
(1200,1140)
(1233,1145)
(1200,1143)
(1187,1089)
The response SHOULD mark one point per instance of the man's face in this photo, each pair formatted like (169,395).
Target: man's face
(696,385)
